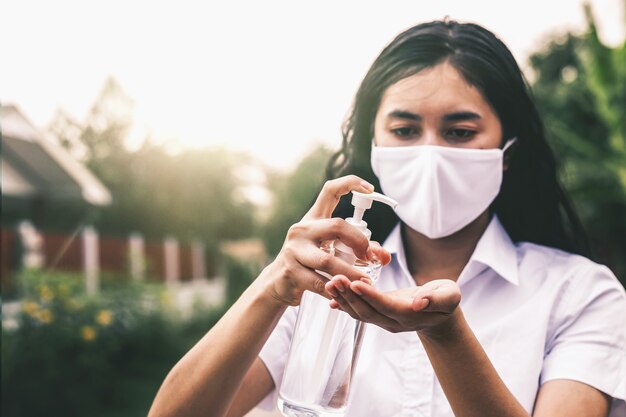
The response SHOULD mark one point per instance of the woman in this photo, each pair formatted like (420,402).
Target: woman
(458,142)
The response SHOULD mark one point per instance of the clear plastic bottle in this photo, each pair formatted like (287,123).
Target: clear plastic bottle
(325,345)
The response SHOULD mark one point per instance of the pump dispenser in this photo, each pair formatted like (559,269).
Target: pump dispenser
(325,344)
(362,202)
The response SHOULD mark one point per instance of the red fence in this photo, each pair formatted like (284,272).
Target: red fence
(65,252)
(186,263)
(114,256)
(155,261)
(62,252)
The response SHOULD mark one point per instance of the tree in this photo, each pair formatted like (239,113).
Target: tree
(108,122)
(294,194)
(191,194)
(581,92)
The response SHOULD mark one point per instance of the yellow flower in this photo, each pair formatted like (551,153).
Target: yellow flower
(166,299)
(88,333)
(64,289)
(44,316)
(45,293)
(104,317)
(72,304)
(30,307)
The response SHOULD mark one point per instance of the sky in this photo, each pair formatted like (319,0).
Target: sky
(274,78)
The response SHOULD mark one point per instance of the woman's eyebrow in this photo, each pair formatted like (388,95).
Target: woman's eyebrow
(450,117)
(459,116)
(402,114)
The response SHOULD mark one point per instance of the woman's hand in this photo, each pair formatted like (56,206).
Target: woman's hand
(424,309)
(293,270)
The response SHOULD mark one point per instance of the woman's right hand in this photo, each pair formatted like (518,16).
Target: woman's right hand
(293,270)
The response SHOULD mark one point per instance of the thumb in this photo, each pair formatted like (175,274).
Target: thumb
(381,253)
(442,297)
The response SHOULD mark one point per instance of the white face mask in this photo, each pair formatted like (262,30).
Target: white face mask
(439,189)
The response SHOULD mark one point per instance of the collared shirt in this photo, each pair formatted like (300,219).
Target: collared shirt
(539,313)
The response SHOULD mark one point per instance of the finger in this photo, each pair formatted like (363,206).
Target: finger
(359,309)
(381,253)
(317,259)
(420,304)
(312,281)
(341,302)
(333,229)
(331,289)
(331,193)
(344,306)
(382,302)
(334,288)
(437,298)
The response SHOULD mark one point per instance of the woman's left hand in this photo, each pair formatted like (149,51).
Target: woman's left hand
(424,308)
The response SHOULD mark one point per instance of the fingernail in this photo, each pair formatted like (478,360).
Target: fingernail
(369,254)
(340,286)
(367,185)
(366,280)
(356,289)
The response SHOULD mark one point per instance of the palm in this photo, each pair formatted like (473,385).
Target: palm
(407,309)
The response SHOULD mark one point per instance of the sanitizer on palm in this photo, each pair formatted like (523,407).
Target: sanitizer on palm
(325,345)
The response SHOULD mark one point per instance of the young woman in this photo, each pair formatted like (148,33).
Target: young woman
(482,309)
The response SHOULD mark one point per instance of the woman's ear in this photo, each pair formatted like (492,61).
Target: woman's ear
(509,150)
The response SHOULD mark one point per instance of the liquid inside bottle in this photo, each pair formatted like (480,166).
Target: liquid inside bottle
(323,354)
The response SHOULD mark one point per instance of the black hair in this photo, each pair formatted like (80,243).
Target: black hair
(532,204)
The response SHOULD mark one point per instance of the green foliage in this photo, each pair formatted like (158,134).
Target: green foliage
(606,77)
(581,92)
(191,194)
(293,195)
(73,355)
(239,276)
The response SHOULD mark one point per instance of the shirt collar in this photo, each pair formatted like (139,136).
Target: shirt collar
(494,250)
(395,247)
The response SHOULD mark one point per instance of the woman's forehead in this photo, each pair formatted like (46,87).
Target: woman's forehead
(438,89)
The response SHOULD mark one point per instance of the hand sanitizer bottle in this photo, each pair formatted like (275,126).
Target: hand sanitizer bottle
(326,342)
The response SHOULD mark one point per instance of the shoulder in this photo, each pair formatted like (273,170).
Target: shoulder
(562,268)
(586,337)
(541,256)
(577,288)
(572,284)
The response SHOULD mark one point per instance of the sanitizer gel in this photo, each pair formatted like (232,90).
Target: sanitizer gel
(326,342)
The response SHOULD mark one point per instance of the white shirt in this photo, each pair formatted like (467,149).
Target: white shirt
(539,313)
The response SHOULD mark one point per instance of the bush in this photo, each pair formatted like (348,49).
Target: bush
(239,275)
(73,355)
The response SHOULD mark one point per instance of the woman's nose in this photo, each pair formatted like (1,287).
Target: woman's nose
(431,138)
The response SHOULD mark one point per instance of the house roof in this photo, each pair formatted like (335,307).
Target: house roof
(35,166)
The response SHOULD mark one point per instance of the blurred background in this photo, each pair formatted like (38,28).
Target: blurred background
(155,153)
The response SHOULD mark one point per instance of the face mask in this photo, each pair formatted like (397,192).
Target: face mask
(439,189)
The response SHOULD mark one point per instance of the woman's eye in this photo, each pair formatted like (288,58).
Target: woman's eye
(404,131)
(460,133)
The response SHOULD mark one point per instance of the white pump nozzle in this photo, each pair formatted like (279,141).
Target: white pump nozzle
(362,202)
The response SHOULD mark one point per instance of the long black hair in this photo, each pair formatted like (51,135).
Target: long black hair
(531,205)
